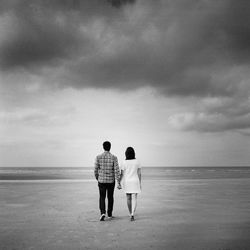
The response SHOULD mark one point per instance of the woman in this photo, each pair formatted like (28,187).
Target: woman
(131,175)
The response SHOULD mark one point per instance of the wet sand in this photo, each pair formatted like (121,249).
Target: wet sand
(171,214)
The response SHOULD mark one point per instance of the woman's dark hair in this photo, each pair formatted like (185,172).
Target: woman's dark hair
(130,153)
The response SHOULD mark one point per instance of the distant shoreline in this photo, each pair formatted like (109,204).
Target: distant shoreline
(64,167)
(148,173)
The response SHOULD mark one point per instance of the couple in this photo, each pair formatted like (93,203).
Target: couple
(107,170)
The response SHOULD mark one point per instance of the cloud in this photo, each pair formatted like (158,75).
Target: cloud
(26,116)
(208,122)
(37,117)
(40,34)
(181,48)
(178,47)
(215,115)
(46,33)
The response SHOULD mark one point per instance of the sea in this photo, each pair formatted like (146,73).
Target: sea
(148,173)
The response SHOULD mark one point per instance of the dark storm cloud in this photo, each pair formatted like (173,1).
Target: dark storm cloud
(179,47)
(39,33)
(196,48)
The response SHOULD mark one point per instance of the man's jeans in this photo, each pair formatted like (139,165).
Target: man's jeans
(106,188)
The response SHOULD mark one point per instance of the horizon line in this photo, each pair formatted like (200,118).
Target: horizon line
(143,166)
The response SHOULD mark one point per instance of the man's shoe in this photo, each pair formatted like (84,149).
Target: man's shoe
(102,218)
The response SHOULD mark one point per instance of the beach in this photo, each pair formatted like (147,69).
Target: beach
(172,213)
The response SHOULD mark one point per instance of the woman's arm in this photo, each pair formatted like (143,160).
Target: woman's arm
(139,175)
(121,176)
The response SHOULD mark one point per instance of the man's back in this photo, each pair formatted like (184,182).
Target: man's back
(106,168)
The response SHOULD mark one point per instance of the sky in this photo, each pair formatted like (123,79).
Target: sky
(170,78)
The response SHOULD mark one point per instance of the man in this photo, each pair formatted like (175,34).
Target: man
(106,171)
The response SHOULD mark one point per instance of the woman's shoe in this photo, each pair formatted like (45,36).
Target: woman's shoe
(132,218)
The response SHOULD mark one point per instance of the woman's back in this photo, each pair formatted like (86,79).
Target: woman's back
(130,168)
(131,179)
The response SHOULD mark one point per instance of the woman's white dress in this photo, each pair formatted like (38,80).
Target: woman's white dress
(130,182)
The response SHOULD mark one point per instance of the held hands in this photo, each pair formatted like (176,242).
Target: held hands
(119,186)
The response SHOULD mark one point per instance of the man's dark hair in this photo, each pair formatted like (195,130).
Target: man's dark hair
(106,145)
(130,153)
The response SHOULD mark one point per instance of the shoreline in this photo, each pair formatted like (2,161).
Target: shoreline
(165,173)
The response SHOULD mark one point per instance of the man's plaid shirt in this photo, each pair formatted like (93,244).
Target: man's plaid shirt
(106,168)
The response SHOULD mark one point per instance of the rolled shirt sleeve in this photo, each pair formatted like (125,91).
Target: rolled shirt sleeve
(96,168)
(116,169)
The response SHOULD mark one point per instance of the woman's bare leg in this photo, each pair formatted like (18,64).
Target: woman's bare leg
(134,203)
(129,203)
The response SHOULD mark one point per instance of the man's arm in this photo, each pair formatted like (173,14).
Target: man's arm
(121,175)
(117,170)
(96,168)
(119,182)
